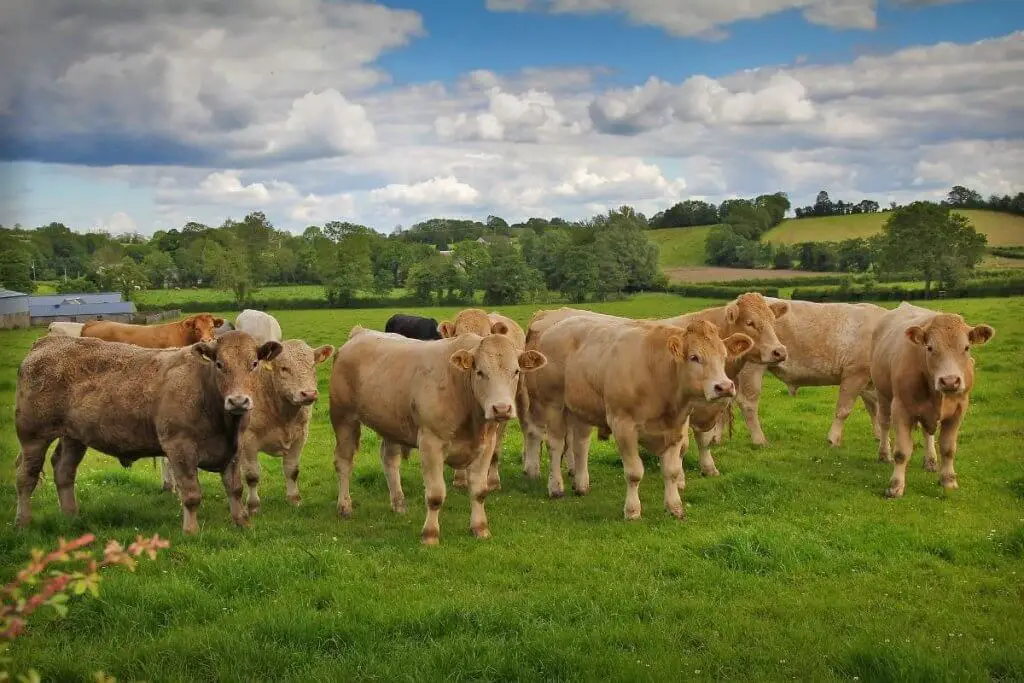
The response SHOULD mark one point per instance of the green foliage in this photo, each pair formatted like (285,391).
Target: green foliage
(783,257)
(125,276)
(691,212)
(15,264)
(965,289)
(507,278)
(75,285)
(159,268)
(351,268)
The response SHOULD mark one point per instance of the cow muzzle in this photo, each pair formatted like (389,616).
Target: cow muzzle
(719,390)
(238,404)
(502,412)
(776,355)
(950,384)
(305,397)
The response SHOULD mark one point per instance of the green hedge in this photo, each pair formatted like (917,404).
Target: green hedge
(1007,252)
(970,289)
(711,291)
(292,304)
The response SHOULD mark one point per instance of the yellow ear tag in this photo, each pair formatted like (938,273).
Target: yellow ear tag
(265,364)
(204,358)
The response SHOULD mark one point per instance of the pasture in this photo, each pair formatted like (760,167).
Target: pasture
(790,566)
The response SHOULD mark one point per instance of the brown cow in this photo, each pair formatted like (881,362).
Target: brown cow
(749,313)
(827,344)
(279,423)
(923,371)
(480,322)
(444,397)
(636,379)
(196,328)
(188,404)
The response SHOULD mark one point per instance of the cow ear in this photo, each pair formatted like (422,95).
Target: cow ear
(498,327)
(915,334)
(323,353)
(675,346)
(779,308)
(190,323)
(217,322)
(532,360)
(269,351)
(446,329)
(738,344)
(732,311)
(462,359)
(981,334)
(205,350)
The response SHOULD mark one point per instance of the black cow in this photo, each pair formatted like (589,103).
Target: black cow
(413,326)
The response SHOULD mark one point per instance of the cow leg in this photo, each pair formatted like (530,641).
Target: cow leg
(884,414)
(249,462)
(30,464)
(555,435)
(461,478)
(167,475)
(579,434)
(904,449)
(479,487)
(232,478)
(748,395)
(947,444)
(675,478)
(870,398)
(432,464)
(390,459)
(533,437)
(65,460)
(707,463)
(346,435)
(625,433)
(494,469)
(186,480)
(849,388)
(931,460)
(291,473)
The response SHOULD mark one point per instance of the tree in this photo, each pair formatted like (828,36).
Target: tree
(234,273)
(822,204)
(426,277)
(964,198)
(15,265)
(579,273)
(125,276)
(158,266)
(931,241)
(471,259)
(508,279)
(353,270)
(783,259)
(498,225)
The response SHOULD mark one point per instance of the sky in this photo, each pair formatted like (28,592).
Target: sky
(141,115)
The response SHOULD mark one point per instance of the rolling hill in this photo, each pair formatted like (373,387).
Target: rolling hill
(679,247)
(1002,229)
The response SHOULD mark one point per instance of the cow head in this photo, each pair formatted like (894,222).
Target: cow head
(293,371)
(700,355)
(201,327)
(946,341)
(751,314)
(234,359)
(495,365)
(472,320)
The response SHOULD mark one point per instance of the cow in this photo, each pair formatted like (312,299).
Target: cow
(226,326)
(189,405)
(279,422)
(480,322)
(923,372)
(444,397)
(827,344)
(262,326)
(750,313)
(191,330)
(412,326)
(637,380)
(65,329)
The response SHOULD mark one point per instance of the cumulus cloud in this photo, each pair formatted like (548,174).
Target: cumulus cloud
(439,191)
(530,117)
(117,223)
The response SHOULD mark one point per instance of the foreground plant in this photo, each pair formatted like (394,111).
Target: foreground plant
(52,578)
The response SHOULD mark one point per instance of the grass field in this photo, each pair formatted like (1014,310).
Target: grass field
(1001,228)
(680,247)
(791,565)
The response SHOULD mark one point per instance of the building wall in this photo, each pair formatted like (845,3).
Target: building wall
(46,320)
(10,321)
(14,304)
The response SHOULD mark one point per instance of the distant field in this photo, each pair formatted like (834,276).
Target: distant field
(719,274)
(1002,229)
(678,247)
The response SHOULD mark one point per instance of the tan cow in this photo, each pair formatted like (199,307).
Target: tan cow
(923,371)
(478,321)
(196,328)
(444,397)
(749,313)
(636,379)
(827,344)
(279,423)
(187,404)
(65,329)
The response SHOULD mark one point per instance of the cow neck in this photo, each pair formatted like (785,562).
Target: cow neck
(462,382)
(273,402)
(213,409)
(661,364)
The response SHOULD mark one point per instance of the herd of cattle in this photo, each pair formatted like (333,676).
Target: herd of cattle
(206,394)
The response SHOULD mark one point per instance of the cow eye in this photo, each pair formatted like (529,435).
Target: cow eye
(694,358)
(967,348)
(930,348)
(750,323)
(219,363)
(480,374)
(253,365)
(285,370)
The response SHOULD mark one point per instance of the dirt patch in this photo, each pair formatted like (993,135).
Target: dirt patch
(716,274)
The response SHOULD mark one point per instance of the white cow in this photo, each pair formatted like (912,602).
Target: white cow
(261,326)
(64,329)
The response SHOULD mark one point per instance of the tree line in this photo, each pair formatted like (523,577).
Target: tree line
(438,260)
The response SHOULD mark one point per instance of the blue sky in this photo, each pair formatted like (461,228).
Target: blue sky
(394,112)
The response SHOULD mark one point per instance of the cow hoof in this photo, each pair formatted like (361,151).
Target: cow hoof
(168,487)
(482,532)
(494,486)
(713,472)
(345,512)
(931,465)
(631,515)
(885,458)
(581,490)
(531,473)
(22,522)
(894,491)
(759,441)
(295,500)
(677,512)
(430,539)
(949,483)
(254,508)
(190,530)
(399,507)
(243,523)
(556,493)
(835,443)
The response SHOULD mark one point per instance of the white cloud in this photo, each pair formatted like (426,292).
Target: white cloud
(324,122)
(446,190)
(530,117)
(117,223)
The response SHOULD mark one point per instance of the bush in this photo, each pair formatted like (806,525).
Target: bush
(975,288)
(710,291)
(1007,252)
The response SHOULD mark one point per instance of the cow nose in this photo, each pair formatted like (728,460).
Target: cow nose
(726,388)
(308,395)
(779,354)
(237,403)
(502,411)
(950,382)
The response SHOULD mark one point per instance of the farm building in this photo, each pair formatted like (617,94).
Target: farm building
(13,309)
(79,308)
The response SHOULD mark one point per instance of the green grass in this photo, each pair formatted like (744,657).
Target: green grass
(790,566)
(679,247)
(1001,228)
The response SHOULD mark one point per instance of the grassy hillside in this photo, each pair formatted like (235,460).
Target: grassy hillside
(680,246)
(791,564)
(1001,228)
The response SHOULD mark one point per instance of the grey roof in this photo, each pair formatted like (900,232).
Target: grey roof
(83,297)
(111,308)
(6,293)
